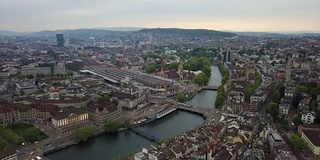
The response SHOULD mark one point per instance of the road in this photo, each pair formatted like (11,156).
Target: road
(286,138)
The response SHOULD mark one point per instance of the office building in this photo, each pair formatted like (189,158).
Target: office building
(60,40)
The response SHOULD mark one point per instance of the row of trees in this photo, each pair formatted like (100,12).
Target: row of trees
(84,134)
(10,137)
(196,64)
(198,52)
(225,73)
(41,75)
(220,97)
(298,142)
(153,67)
(251,89)
(220,92)
(113,126)
(158,56)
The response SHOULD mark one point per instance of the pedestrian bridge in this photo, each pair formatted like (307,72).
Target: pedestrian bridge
(207,113)
(210,88)
(144,134)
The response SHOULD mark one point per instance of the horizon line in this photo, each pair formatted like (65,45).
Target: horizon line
(106,28)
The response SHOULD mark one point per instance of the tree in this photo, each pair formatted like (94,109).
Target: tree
(295,101)
(273,110)
(29,76)
(3,144)
(126,123)
(298,142)
(56,84)
(150,69)
(207,70)
(111,126)
(281,90)
(83,134)
(32,134)
(106,98)
(181,97)
(10,136)
(201,79)
(297,120)
(173,65)
(276,97)
(300,89)
(220,98)
(317,118)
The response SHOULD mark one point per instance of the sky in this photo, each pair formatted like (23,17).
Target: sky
(235,15)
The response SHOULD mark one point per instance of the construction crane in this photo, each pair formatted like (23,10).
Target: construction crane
(164,79)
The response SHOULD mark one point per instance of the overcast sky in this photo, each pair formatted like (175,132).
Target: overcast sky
(236,15)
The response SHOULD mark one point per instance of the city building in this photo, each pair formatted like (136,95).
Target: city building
(128,100)
(13,113)
(312,138)
(67,120)
(274,139)
(26,87)
(307,117)
(101,111)
(44,68)
(60,40)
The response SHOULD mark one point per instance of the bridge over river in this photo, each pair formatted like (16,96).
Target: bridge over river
(209,88)
(210,114)
(144,134)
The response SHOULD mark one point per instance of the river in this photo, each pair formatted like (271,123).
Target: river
(112,146)
(207,98)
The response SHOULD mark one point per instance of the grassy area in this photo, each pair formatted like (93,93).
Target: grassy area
(19,128)
(19,133)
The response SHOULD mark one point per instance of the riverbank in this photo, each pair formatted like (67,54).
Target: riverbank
(113,145)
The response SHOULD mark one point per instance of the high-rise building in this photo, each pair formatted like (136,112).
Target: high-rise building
(227,56)
(60,40)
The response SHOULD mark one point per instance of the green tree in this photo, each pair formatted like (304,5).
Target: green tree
(297,120)
(57,84)
(3,144)
(112,126)
(220,97)
(174,65)
(201,79)
(106,97)
(276,97)
(126,123)
(150,69)
(10,136)
(32,134)
(298,142)
(83,134)
(207,70)
(29,76)
(181,97)
(300,89)
(273,110)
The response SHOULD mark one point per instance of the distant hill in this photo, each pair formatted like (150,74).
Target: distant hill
(187,32)
(120,28)
(73,32)
(12,33)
